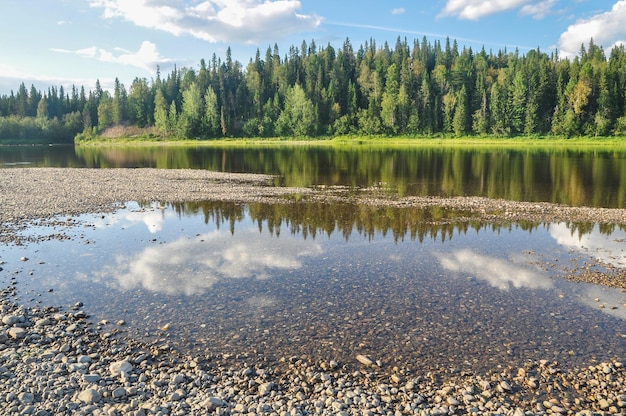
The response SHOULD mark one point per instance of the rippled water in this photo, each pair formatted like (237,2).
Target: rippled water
(234,279)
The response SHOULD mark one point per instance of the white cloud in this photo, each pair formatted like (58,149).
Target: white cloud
(475,9)
(606,29)
(538,10)
(193,266)
(147,57)
(399,10)
(497,272)
(244,21)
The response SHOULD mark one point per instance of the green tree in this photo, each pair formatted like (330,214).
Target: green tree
(461,113)
(160,113)
(42,108)
(518,103)
(105,112)
(140,102)
(389,103)
(299,117)
(211,113)
(119,102)
(190,118)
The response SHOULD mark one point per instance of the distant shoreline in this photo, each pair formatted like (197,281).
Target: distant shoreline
(518,141)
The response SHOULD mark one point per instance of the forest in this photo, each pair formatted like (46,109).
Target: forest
(421,89)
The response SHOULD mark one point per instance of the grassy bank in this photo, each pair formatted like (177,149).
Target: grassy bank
(152,140)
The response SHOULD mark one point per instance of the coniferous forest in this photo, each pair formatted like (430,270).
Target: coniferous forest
(418,89)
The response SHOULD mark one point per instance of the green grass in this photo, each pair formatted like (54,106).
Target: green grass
(353,140)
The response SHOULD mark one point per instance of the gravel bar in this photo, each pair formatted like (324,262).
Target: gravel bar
(59,362)
(31,193)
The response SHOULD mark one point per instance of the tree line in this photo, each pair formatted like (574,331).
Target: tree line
(419,89)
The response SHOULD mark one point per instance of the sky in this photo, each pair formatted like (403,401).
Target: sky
(76,42)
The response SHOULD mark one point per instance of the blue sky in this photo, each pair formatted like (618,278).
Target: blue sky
(65,42)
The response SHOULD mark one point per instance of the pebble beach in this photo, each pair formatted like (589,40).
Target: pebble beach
(56,360)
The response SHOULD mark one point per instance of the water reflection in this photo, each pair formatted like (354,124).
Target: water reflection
(193,266)
(608,248)
(578,176)
(153,216)
(327,281)
(607,300)
(499,273)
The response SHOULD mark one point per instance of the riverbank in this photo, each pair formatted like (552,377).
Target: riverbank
(115,137)
(57,361)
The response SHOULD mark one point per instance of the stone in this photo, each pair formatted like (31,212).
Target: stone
(43,322)
(89,396)
(91,378)
(604,404)
(505,386)
(26,397)
(17,333)
(119,367)
(452,401)
(265,388)
(74,367)
(365,360)
(177,378)
(119,392)
(12,319)
(213,403)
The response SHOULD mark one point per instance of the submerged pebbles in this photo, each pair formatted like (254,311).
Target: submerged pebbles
(56,362)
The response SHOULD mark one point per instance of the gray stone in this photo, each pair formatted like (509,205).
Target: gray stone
(119,367)
(17,333)
(91,378)
(265,388)
(26,397)
(12,319)
(119,392)
(213,402)
(177,378)
(89,396)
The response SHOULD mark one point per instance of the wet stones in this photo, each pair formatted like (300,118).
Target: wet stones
(365,360)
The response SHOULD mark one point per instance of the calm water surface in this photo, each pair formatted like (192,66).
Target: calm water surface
(572,176)
(281,281)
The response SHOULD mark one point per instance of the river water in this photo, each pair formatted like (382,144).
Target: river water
(270,282)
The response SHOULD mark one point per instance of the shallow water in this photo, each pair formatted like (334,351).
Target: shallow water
(278,281)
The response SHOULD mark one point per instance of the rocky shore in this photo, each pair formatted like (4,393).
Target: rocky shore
(56,361)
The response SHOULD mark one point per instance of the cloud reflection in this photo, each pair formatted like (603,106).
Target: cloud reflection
(609,249)
(153,217)
(499,273)
(193,266)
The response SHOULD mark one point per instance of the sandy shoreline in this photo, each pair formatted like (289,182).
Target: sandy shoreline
(58,362)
